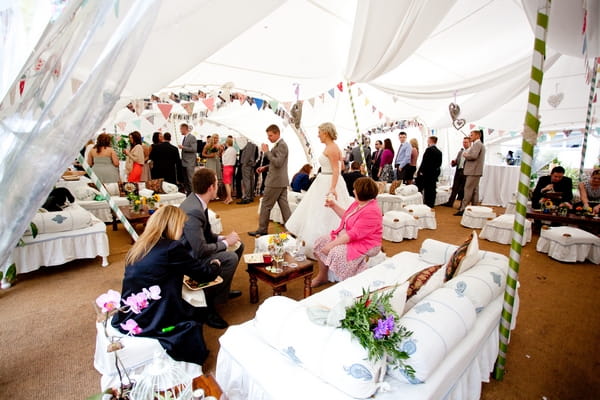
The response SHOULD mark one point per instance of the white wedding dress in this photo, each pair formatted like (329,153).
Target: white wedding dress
(311,218)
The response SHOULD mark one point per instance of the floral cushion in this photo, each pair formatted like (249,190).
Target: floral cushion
(422,283)
(456,258)
(471,257)
(394,186)
(127,187)
(169,187)
(85,193)
(155,185)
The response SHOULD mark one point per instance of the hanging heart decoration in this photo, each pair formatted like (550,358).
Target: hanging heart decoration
(454,110)
(555,99)
(458,123)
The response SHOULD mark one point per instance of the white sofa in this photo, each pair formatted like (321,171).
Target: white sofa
(63,236)
(259,364)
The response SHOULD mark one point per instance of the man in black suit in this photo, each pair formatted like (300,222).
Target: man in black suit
(165,159)
(352,176)
(556,185)
(198,236)
(429,171)
(376,156)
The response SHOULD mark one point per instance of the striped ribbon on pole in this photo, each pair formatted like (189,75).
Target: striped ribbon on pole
(111,202)
(358,136)
(530,132)
(588,119)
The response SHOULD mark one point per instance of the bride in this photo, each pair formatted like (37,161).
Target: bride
(311,218)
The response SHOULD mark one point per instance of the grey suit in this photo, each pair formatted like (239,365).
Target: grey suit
(248,161)
(275,186)
(474,160)
(198,236)
(188,159)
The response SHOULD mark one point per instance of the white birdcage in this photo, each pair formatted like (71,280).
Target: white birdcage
(162,380)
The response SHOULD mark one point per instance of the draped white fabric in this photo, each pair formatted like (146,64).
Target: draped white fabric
(402,25)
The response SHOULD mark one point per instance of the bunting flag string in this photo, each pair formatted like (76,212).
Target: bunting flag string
(331,93)
(165,109)
(209,103)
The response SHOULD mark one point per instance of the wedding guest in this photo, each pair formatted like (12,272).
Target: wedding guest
(229,158)
(188,156)
(158,258)
(355,155)
(429,171)
(474,159)
(402,157)
(458,184)
(556,185)
(344,250)
(248,157)
(375,160)
(212,152)
(301,180)
(104,160)
(135,158)
(386,171)
(165,159)
(199,237)
(590,192)
(352,176)
(411,168)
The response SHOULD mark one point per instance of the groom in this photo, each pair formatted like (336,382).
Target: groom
(276,183)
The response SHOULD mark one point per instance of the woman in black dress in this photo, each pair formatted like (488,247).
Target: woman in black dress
(159,258)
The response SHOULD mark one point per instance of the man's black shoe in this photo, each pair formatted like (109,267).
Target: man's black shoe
(243,201)
(214,320)
(448,205)
(257,233)
(458,213)
(234,293)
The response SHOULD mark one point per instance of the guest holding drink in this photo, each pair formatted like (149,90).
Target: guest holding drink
(359,234)
(135,157)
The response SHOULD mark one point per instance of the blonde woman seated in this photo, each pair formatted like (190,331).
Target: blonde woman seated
(358,235)
(159,258)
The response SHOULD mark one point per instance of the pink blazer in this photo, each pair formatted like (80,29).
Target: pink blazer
(365,228)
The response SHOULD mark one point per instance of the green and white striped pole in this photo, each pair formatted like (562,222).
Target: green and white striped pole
(358,136)
(111,202)
(530,132)
(588,119)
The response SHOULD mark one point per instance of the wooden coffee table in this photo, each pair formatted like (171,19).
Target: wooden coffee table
(585,222)
(136,218)
(279,280)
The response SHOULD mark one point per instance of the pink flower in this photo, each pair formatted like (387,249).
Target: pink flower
(153,292)
(109,301)
(132,327)
(137,302)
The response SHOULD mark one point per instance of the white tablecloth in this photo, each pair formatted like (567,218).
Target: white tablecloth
(498,184)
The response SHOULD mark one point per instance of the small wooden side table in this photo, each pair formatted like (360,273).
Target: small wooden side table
(279,280)
(136,218)
(209,384)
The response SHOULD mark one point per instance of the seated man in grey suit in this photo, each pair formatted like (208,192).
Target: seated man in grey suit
(198,236)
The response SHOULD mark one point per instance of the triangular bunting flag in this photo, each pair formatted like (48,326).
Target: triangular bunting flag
(491,131)
(22,85)
(373,108)
(274,105)
(75,84)
(12,97)
(137,123)
(150,119)
(311,101)
(287,105)
(380,114)
(258,102)
(360,92)
(188,107)
(471,126)
(122,125)
(209,103)
(395,98)
(331,92)
(367,101)
(165,109)
(322,97)
(340,86)
(242,98)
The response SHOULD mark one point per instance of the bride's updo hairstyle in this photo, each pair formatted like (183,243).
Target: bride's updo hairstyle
(329,129)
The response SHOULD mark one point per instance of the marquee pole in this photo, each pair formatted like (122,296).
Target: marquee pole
(358,136)
(530,132)
(588,119)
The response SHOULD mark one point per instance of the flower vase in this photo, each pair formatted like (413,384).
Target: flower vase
(277,252)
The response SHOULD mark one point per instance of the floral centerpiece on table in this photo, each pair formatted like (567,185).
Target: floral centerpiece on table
(137,202)
(151,200)
(110,303)
(276,247)
(374,323)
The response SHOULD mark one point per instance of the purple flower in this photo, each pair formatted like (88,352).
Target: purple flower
(132,327)
(153,292)
(109,301)
(137,302)
(384,327)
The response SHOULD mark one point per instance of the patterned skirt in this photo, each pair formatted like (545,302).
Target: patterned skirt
(337,259)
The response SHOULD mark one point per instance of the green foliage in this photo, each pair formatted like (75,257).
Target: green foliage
(120,145)
(361,320)
(34,229)
(11,273)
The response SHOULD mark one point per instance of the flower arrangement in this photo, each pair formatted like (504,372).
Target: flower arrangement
(137,202)
(276,248)
(374,323)
(109,304)
(278,239)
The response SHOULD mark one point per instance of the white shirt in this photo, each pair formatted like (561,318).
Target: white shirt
(229,156)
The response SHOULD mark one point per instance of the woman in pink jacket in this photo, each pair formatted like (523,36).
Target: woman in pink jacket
(345,249)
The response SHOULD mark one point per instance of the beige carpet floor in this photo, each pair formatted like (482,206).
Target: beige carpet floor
(47,331)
